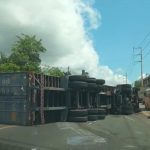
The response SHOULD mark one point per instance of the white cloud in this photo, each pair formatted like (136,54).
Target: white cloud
(64,27)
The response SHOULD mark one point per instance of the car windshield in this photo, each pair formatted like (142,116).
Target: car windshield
(74,75)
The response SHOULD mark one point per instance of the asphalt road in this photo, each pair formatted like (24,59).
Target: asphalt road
(130,132)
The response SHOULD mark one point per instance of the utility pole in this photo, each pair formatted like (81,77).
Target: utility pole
(126,78)
(141,62)
(141,54)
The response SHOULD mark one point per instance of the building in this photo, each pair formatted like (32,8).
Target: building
(146,81)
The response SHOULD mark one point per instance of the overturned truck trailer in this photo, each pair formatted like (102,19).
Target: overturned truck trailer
(27,98)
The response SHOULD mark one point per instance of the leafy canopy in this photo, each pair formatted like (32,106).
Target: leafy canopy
(53,71)
(25,55)
(137,83)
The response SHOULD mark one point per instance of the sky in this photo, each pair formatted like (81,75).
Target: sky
(124,25)
(95,35)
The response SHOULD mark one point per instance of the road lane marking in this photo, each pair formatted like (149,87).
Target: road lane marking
(130,146)
(86,140)
(6,127)
(70,128)
(138,132)
(129,118)
(90,123)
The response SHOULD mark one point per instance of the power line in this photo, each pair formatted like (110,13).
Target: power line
(146,36)
(146,45)
(130,63)
(132,69)
(146,54)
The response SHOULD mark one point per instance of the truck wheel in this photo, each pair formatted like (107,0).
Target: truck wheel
(78,84)
(102,111)
(78,112)
(91,80)
(92,85)
(78,119)
(92,111)
(77,78)
(101,117)
(100,81)
(92,117)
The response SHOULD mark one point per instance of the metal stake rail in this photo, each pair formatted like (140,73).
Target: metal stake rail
(42,100)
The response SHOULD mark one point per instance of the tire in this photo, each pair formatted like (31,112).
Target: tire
(91,80)
(126,90)
(102,111)
(136,110)
(116,111)
(130,110)
(78,119)
(77,78)
(92,111)
(92,117)
(127,110)
(128,86)
(101,117)
(124,86)
(92,85)
(100,81)
(96,90)
(78,84)
(99,87)
(78,112)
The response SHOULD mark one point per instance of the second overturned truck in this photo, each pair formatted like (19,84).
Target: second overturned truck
(125,100)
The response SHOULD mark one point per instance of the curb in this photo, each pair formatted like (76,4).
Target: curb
(146,113)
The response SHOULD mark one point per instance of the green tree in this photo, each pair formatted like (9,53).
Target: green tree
(26,53)
(9,67)
(137,83)
(3,58)
(53,71)
(6,65)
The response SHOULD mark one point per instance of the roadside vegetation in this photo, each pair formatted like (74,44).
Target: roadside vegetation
(25,56)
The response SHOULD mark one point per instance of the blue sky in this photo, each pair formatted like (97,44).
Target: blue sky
(124,24)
